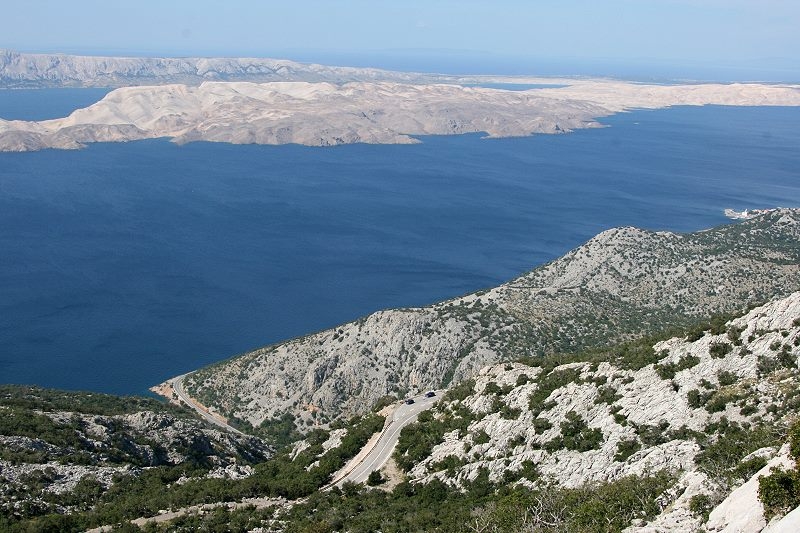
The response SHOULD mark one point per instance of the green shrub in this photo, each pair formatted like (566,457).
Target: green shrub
(576,435)
(626,448)
(653,435)
(695,399)
(607,395)
(722,453)
(779,492)
(553,380)
(668,370)
(735,335)
(718,350)
(794,441)
(748,410)
(481,437)
(375,478)
(718,403)
(510,413)
(461,391)
(540,425)
(492,388)
(700,505)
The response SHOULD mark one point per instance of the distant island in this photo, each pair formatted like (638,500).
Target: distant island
(324,106)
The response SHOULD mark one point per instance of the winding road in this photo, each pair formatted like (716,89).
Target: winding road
(373,457)
(208,416)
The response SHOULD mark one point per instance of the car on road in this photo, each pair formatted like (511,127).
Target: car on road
(430,394)
(409,401)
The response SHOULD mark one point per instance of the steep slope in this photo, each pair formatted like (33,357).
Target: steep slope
(713,411)
(623,282)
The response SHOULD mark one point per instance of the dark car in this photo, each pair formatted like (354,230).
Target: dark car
(409,401)
(430,394)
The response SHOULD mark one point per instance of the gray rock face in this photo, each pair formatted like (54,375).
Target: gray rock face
(623,282)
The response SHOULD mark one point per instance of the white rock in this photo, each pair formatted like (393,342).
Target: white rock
(741,511)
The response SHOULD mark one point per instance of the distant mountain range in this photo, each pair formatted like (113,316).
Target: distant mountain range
(21,70)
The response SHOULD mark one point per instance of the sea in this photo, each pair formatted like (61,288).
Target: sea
(124,264)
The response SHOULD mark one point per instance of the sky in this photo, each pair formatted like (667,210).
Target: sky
(744,38)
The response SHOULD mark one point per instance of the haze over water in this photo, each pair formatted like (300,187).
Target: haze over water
(124,264)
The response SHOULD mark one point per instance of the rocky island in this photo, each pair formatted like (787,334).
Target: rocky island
(387,112)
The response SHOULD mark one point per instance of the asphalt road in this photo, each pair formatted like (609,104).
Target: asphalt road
(177,387)
(370,461)
(383,448)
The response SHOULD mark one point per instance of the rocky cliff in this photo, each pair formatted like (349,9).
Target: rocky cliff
(622,283)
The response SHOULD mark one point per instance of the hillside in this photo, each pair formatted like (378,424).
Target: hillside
(60,449)
(710,408)
(698,432)
(693,433)
(622,283)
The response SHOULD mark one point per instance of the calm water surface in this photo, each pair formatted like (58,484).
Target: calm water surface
(124,264)
(44,104)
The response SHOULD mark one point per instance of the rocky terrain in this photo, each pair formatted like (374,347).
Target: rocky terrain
(710,409)
(21,70)
(697,431)
(316,114)
(622,283)
(387,112)
(55,443)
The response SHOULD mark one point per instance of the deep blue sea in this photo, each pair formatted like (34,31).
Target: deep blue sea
(124,264)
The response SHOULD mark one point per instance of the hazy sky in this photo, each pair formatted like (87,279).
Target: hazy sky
(724,33)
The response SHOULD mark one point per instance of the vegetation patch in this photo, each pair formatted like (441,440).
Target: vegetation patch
(626,448)
(668,370)
(780,491)
(576,435)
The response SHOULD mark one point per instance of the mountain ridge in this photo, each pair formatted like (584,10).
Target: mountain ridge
(25,70)
(344,370)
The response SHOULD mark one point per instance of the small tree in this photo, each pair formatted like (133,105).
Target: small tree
(375,478)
